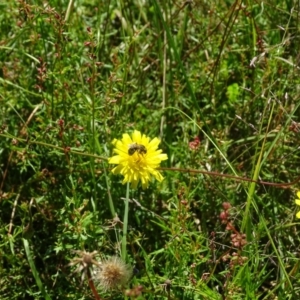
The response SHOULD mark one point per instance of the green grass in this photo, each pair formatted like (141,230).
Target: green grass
(76,75)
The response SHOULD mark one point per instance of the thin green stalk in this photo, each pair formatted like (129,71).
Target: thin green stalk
(110,201)
(182,69)
(279,257)
(68,12)
(246,219)
(125,224)
(253,28)
(7,135)
(34,271)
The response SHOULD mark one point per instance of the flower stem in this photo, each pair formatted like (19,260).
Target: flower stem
(125,224)
(92,286)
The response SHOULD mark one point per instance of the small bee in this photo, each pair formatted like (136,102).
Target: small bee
(132,148)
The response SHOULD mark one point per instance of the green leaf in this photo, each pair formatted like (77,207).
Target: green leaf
(34,270)
(233,92)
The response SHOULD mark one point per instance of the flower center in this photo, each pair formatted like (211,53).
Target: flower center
(137,160)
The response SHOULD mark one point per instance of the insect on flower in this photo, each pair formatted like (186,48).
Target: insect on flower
(135,147)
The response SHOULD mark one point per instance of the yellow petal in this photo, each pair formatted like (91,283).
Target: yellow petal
(297,201)
(126,139)
(145,141)
(298,194)
(163,156)
(117,170)
(159,177)
(137,137)
(114,160)
(298,215)
(154,144)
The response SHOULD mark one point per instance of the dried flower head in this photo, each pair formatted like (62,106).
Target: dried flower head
(84,261)
(137,158)
(113,273)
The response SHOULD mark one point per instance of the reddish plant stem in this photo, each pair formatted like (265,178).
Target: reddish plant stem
(92,286)
(211,173)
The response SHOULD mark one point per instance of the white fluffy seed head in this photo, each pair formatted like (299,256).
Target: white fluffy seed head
(113,273)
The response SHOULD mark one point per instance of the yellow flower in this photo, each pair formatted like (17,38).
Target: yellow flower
(297,201)
(137,158)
